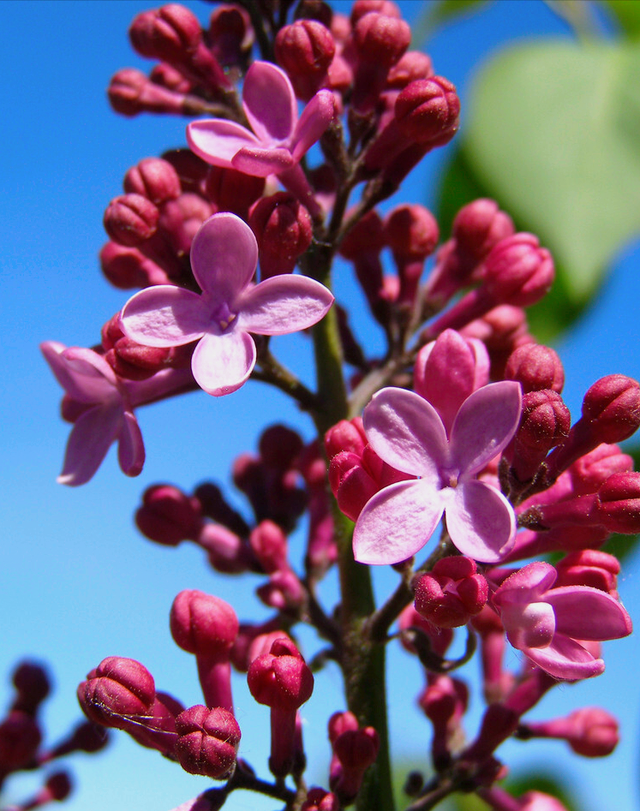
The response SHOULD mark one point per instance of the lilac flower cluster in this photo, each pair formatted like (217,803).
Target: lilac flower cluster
(460,425)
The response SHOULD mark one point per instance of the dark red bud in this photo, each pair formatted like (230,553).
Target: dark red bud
(203,624)
(618,503)
(208,741)
(412,66)
(535,367)
(233,191)
(230,34)
(518,271)
(128,267)
(411,231)
(279,446)
(131,219)
(588,567)
(305,50)
(168,516)
(58,787)
(32,684)
(283,229)
(20,737)
(169,33)
(479,226)
(612,405)
(153,178)
(427,111)
(130,93)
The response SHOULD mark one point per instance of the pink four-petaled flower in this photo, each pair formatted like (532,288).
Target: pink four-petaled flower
(407,432)
(224,256)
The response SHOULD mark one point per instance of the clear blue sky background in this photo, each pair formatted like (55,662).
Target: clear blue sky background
(78,582)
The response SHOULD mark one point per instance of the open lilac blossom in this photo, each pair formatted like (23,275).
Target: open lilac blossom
(279,138)
(101,411)
(407,432)
(224,256)
(545,622)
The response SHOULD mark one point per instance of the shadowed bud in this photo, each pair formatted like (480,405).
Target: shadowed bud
(231,35)
(427,111)
(131,219)
(283,229)
(379,41)
(127,267)
(269,544)
(362,246)
(412,233)
(131,93)
(355,750)
(230,190)
(305,50)
(153,178)
(208,741)
(589,567)
(32,686)
(320,800)
(168,516)
(128,359)
(20,737)
(535,367)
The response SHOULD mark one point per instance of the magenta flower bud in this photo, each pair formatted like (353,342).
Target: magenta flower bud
(355,478)
(379,41)
(444,702)
(207,627)
(208,741)
(518,271)
(244,651)
(180,219)
(535,367)
(355,750)
(227,552)
(413,65)
(282,226)
(544,424)
(589,567)
(451,593)
(127,267)
(269,544)
(362,7)
(167,76)
(618,503)
(118,689)
(284,591)
(612,406)
(131,219)
(153,178)
(427,111)
(20,737)
(412,233)
(346,435)
(590,471)
(130,93)
(231,190)
(320,800)
(589,731)
(432,372)
(191,169)
(279,446)
(32,685)
(129,359)
(479,226)
(168,516)
(230,35)
(305,49)
(341,722)
(86,737)
(502,330)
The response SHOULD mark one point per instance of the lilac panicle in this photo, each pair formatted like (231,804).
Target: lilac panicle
(224,255)
(407,432)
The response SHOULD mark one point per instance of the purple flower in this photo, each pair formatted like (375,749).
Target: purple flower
(544,623)
(279,138)
(224,256)
(407,432)
(101,411)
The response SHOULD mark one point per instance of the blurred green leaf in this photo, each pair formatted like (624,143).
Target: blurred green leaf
(627,14)
(439,12)
(553,134)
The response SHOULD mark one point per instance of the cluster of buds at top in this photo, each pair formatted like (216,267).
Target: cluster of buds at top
(21,738)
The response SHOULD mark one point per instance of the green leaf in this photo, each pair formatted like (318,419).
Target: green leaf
(439,12)
(553,134)
(627,14)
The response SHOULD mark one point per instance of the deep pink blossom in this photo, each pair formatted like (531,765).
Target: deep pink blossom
(545,623)
(407,432)
(224,255)
(104,413)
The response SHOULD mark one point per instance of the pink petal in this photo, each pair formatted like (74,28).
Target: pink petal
(481,522)
(407,433)
(269,102)
(259,162)
(130,446)
(223,363)
(217,140)
(224,256)
(165,315)
(90,439)
(283,304)
(564,658)
(313,123)
(526,585)
(397,522)
(83,374)
(529,626)
(483,427)
(587,613)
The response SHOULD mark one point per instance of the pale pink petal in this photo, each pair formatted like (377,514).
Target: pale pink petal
(217,140)
(224,256)
(262,162)
(86,377)
(526,585)
(587,613)
(564,658)
(223,363)
(269,102)
(313,122)
(90,439)
(529,626)
(407,433)
(283,304)
(165,315)
(130,446)
(481,522)
(483,427)
(397,522)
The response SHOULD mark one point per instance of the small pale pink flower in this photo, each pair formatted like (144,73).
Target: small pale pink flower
(279,138)
(545,623)
(104,413)
(408,433)
(224,256)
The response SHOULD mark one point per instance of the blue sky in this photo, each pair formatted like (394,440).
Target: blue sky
(78,582)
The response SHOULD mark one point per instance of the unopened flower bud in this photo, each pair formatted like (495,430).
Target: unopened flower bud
(227,552)
(131,219)
(355,750)
(412,233)
(131,93)
(283,229)
(535,367)
(589,567)
(269,544)
(544,424)
(427,111)
(168,516)
(479,226)
(32,686)
(612,406)
(230,190)
(128,267)
(618,503)
(208,741)
(117,690)
(590,471)
(153,178)
(305,49)
(362,246)
(518,271)
(57,788)
(451,593)
(413,65)
(589,731)
(379,41)
(346,435)
(362,7)
(231,35)
(320,800)
(20,737)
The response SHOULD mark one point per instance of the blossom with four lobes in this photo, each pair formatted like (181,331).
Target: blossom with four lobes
(101,410)
(224,256)
(407,432)
(545,623)
(279,139)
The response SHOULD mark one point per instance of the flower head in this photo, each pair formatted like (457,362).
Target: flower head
(102,413)
(407,432)
(545,622)
(224,255)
